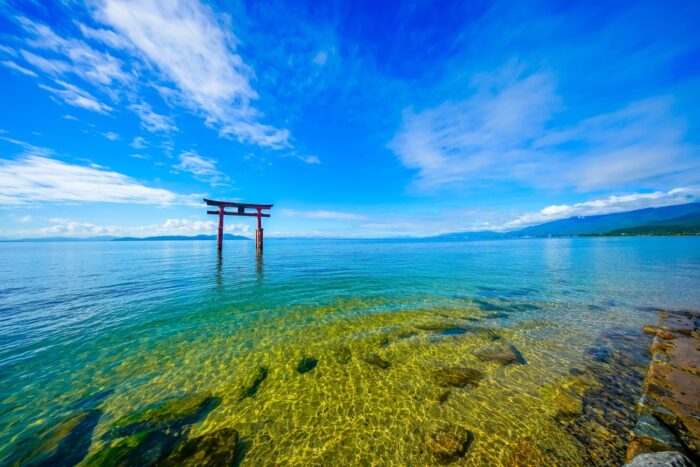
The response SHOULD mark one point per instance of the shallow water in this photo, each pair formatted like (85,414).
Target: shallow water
(118,326)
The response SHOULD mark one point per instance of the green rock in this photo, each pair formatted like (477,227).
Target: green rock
(212,449)
(66,443)
(343,354)
(307,364)
(449,442)
(146,448)
(457,377)
(377,360)
(251,390)
(568,403)
(173,414)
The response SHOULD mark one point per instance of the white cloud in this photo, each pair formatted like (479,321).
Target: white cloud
(139,143)
(323,214)
(73,95)
(112,136)
(13,66)
(320,58)
(71,228)
(505,131)
(611,204)
(201,168)
(187,43)
(69,117)
(37,179)
(152,121)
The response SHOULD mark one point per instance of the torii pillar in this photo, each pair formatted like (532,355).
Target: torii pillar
(240,211)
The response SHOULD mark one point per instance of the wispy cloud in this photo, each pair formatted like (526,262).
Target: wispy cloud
(112,136)
(73,95)
(201,168)
(176,226)
(41,179)
(13,66)
(152,121)
(611,204)
(187,43)
(506,131)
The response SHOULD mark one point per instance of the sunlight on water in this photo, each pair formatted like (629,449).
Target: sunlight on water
(337,353)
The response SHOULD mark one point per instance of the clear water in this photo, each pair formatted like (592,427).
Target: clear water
(142,322)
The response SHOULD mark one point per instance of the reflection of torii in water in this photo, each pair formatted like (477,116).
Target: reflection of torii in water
(240,211)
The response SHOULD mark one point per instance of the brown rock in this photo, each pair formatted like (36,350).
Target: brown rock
(449,442)
(508,355)
(457,377)
(526,454)
(568,403)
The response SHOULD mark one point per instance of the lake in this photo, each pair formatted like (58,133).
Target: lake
(332,352)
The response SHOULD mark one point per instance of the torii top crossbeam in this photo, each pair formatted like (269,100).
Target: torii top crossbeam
(240,211)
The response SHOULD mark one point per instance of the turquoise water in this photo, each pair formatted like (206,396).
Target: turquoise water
(118,326)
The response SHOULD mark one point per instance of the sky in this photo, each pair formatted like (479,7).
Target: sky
(356,119)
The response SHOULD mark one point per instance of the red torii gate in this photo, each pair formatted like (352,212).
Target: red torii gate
(240,211)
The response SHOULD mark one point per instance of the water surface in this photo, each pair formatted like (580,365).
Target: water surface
(119,326)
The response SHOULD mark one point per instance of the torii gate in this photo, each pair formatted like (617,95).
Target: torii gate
(240,211)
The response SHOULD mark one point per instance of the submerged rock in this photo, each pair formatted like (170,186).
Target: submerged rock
(143,449)
(457,377)
(212,449)
(377,360)
(307,364)
(442,327)
(251,390)
(527,454)
(660,459)
(342,354)
(568,403)
(172,414)
(449,442)
(508,355)
(66,443)
(497,316)
(442,398)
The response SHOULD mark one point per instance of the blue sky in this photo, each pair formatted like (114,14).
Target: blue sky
(355,118)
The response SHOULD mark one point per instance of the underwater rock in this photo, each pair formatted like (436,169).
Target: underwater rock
(406,335)
(66,443)
(442,327)
(527,454)
(342,354)
(457,377)
(377,360)
(568,403)
(508,355)
(660,459)
(212,449)
(251,390)
(173,414)
(306,364)
(449,442)
(146,448)
(497,316)
(442,398)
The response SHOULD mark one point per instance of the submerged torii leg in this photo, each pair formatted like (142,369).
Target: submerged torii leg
(220,237)
(259,233)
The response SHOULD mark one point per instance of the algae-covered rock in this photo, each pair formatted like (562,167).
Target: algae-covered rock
(65,443)
(252,389)
(527,454)
(212,449)
(443,397)
(143,449)
(449,442)
(507,355)
(377,360)
(457,377)
(342,354)
(568,403)
(172,414)
(306,364)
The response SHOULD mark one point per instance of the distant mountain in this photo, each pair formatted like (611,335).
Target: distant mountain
(178,237)
(127,239)
(681,219)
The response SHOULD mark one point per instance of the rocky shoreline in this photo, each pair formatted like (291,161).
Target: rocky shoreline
(669,408)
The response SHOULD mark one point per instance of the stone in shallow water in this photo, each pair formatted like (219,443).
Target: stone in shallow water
(568,403)
(212,449)
(660,459)
(65,443)
(457,377)
(527,454)
(507,355)
(442,398)
(342,354)
(449,442)
(251,390)
(441,327)
(172,414)
(307,364)
(143,449)
(377,360)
